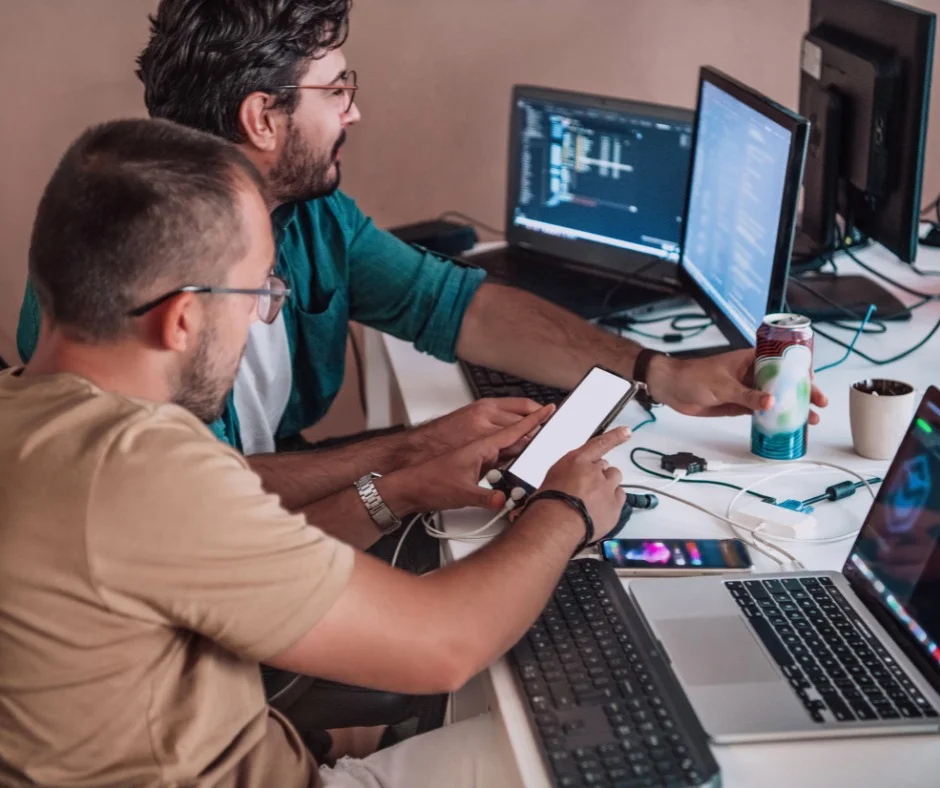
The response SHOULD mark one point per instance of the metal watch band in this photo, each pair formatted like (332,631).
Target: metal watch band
(381,515)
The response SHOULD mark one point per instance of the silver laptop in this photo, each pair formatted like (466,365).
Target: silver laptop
(815,654)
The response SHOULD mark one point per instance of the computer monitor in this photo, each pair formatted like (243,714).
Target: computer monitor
(865,86)
(596,180)
(747,163)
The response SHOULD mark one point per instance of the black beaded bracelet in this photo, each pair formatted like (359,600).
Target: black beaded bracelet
(575,503)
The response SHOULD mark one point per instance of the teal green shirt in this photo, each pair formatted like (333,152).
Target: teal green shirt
(340,267)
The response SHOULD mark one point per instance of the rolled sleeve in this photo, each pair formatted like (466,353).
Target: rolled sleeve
(410,294)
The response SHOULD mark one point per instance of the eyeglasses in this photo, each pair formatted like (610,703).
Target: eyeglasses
(346,90)
(271,298)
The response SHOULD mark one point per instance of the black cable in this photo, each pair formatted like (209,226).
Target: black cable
(470,220)
(635,277)
(874,327)
(714,483)
(849,314)
(883,362)
(889,280)
(837,492)
(360,371)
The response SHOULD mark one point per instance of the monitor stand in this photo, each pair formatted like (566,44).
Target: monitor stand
(824,297)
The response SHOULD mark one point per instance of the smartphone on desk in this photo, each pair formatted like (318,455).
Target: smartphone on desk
(675,557)
(587,411)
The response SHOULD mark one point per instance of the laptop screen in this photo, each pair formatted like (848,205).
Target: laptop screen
(896,559)
(740,168)
(612,177)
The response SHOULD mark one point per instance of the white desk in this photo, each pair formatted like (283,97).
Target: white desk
(430,388)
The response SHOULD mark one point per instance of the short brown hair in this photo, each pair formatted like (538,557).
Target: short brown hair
(131,204)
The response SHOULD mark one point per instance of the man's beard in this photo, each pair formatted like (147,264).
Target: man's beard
(300,174)
(206,380)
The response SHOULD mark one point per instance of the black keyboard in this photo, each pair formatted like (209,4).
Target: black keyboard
(836,666)
(607,709)
(490,383)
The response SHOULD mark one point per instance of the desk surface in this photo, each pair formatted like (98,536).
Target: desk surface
(430,388)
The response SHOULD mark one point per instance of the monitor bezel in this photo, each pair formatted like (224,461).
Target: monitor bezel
(904,639)
(798,127)
(581,253)
(910,33)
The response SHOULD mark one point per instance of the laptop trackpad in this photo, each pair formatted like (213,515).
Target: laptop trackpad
(715,650)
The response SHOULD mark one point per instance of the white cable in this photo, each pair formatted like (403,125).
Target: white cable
(735,527)
(677,477)
(401,541)
(515,495)
(794,466)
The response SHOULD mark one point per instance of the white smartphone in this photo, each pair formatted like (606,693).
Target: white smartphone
(587,411)
(675,557)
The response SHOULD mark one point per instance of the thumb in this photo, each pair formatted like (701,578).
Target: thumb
(488,499)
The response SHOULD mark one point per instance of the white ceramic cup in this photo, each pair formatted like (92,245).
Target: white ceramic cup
(880,412)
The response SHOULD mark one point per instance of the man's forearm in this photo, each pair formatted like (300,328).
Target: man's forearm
(548,344)
(344,516)
(522,565)
(302,478)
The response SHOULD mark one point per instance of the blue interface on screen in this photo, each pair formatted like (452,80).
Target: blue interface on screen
(611,177)
(738,175)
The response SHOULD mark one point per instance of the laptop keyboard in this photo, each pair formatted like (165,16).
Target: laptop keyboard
(490,383)
(839,670)
(607,711)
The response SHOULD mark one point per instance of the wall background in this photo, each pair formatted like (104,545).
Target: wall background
(435,76)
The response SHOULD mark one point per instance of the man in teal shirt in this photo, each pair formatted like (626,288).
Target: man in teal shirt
(270,76)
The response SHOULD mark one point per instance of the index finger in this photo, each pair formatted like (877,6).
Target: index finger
(516,432)
(598,446)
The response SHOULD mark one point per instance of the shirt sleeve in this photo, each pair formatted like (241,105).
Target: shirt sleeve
(413,295)
(180,532)
(27,331)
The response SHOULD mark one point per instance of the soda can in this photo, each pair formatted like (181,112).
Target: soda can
(784,368)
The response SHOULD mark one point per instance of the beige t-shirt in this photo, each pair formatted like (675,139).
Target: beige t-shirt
(144,573)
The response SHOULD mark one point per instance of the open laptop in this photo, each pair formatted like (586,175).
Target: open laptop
(815,654)
(595,194)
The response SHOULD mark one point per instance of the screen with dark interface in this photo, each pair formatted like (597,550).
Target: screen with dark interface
(898,549)
(676,553)
(738,177)
(614,178)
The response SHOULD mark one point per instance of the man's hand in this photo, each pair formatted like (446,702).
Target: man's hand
(472,422)
(714,386)
(451,480)
(585,474)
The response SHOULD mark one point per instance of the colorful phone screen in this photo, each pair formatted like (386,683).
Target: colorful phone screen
(676,554)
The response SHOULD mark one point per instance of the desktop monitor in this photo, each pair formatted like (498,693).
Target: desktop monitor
(747,164)
(865,86)
(596,180)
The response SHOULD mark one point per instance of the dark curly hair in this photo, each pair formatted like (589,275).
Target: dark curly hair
(205,56)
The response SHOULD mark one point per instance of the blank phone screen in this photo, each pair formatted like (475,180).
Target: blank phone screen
(571,425)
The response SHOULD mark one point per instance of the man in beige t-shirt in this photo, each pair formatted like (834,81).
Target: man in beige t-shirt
(145,572)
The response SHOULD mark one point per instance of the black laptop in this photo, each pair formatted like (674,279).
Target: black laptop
(595,197)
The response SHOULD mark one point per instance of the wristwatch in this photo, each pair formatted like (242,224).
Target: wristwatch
(381,515)
(641,372)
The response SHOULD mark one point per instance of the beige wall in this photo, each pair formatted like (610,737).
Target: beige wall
(64,64)
(436,76)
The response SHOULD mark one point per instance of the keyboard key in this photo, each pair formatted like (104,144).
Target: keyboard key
(863,711)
